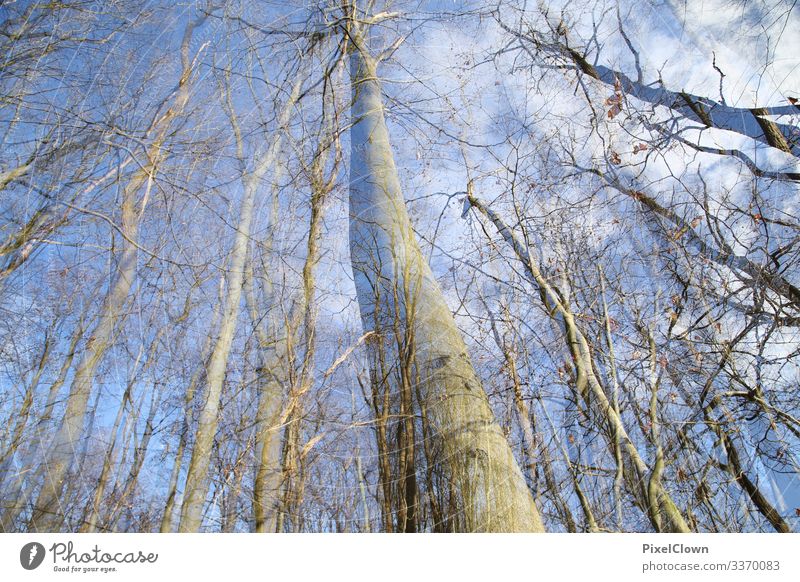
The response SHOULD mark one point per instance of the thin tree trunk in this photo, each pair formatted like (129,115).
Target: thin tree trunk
(734,466)
(529,440)
(612,362)
(197,476)
(30,470)
(582,358)
(724,256)
(270,382)
(188,400)
(48,512)
(27,402)
(591,522)
(90,522)
(139,456)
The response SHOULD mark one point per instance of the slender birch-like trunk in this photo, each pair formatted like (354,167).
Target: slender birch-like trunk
(271,381)
(48,513)
(530,444)
(25,409)
(197,476)
(90,523)
(637,472)
(188,400)
(29,472)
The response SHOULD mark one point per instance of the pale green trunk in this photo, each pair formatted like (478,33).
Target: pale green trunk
(387,263)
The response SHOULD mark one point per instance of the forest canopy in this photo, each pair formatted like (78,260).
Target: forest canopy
(399,266)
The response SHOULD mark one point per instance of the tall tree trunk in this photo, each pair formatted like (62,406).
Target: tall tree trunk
(269,435)
(197,476)
(29,471)
(491,492)
(294,473)
(25,410)
(271,380)
(48,512)
(90,523)
(186,419)
(139,456)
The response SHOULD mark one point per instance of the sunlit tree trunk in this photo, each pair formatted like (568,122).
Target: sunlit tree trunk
(186,418)
(25,408)
(197,476)
(48,512)
(269,433)
(29,471)
(91,521)
(637,471)
(490,490)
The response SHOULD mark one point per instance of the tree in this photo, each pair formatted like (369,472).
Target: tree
(393,283)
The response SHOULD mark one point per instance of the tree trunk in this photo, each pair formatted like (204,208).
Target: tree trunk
(197,476)
(48,512)
(639,472)
(491,492)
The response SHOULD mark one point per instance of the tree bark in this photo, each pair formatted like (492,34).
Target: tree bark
(48,512)
(490,491)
